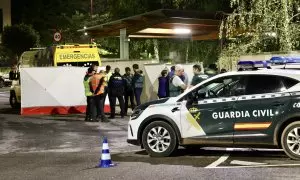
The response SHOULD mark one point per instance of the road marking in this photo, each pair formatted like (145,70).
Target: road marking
(257,166)
(246,163)
(218,162)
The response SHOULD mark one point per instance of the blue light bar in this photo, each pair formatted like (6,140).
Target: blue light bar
(285,60)
(278,60)
(254,64)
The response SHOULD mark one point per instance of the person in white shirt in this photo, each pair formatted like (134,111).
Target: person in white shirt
(176,85)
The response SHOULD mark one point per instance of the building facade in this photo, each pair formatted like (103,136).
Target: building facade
(5,14)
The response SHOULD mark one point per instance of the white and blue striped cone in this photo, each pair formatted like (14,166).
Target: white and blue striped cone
(105,161)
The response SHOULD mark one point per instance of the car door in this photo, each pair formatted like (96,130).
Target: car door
(266,102)
(207,112)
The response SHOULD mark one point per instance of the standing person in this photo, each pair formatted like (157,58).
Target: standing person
(97,85)
(116,90)
(184,77)
(176,84)
(212,70)
(108,74)
(223,71)
(89,95)
(128,92)
(170,74)
(137,83)
(162,84)
(198,76)
(14,74)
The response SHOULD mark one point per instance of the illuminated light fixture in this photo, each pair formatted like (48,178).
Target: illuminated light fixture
(182,31)
(84,27)
(272,34)
(86,33)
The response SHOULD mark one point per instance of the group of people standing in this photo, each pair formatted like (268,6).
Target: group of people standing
(173,83)
(100,83)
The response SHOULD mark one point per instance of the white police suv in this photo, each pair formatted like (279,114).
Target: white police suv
(247,108)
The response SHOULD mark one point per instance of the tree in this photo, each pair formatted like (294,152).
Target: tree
(19,38)
(260,26)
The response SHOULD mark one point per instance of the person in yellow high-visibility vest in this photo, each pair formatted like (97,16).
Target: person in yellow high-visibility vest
(89,95)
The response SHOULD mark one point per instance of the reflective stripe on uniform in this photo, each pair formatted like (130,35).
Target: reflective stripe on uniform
(87,90)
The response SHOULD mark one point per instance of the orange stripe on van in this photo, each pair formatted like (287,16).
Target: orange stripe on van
(252,126)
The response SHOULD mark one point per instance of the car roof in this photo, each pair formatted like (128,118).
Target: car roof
(291,73)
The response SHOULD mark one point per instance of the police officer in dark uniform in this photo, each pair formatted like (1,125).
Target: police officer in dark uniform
(116,89)
(128,93)
(198,76)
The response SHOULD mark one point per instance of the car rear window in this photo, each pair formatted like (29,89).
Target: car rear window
(289,82)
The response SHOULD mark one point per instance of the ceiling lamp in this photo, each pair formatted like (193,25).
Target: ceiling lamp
(182,31)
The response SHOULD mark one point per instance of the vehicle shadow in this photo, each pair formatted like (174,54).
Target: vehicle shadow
(198,157)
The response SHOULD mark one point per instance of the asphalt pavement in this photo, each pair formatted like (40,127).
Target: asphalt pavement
(66,147)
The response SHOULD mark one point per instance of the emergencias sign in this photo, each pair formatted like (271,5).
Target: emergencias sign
(76,56)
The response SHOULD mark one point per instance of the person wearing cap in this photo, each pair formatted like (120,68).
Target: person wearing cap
(116,90)
(89,95)
(97,86)
(176,85)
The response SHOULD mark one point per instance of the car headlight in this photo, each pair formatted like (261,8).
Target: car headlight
(136,113)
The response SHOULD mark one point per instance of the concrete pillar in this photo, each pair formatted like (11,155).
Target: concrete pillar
(5,5)
(124,45)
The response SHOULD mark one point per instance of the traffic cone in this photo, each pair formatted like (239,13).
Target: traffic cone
(105,161)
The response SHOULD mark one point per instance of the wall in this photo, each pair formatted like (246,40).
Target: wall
(5,5)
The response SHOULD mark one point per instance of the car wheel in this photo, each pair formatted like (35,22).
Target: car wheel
(290,140)
(13,101)
(159,139)
(1,83)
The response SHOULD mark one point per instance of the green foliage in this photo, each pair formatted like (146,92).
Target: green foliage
(140,48)
(19,38)
(5,56)
(260,26)
(68,16)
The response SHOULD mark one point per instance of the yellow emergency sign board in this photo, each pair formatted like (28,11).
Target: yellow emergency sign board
(76,56)
(81,53)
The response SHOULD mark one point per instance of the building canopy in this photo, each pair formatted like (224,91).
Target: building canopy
(163,23)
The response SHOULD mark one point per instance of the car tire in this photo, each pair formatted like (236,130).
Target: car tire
(2,83)
(290,140)
(13,100)
(159,139)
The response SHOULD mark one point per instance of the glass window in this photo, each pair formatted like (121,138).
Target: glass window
(221,87)
(289,82)
(260,84)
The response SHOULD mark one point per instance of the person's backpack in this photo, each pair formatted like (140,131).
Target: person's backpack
(128,82)
(139,82)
